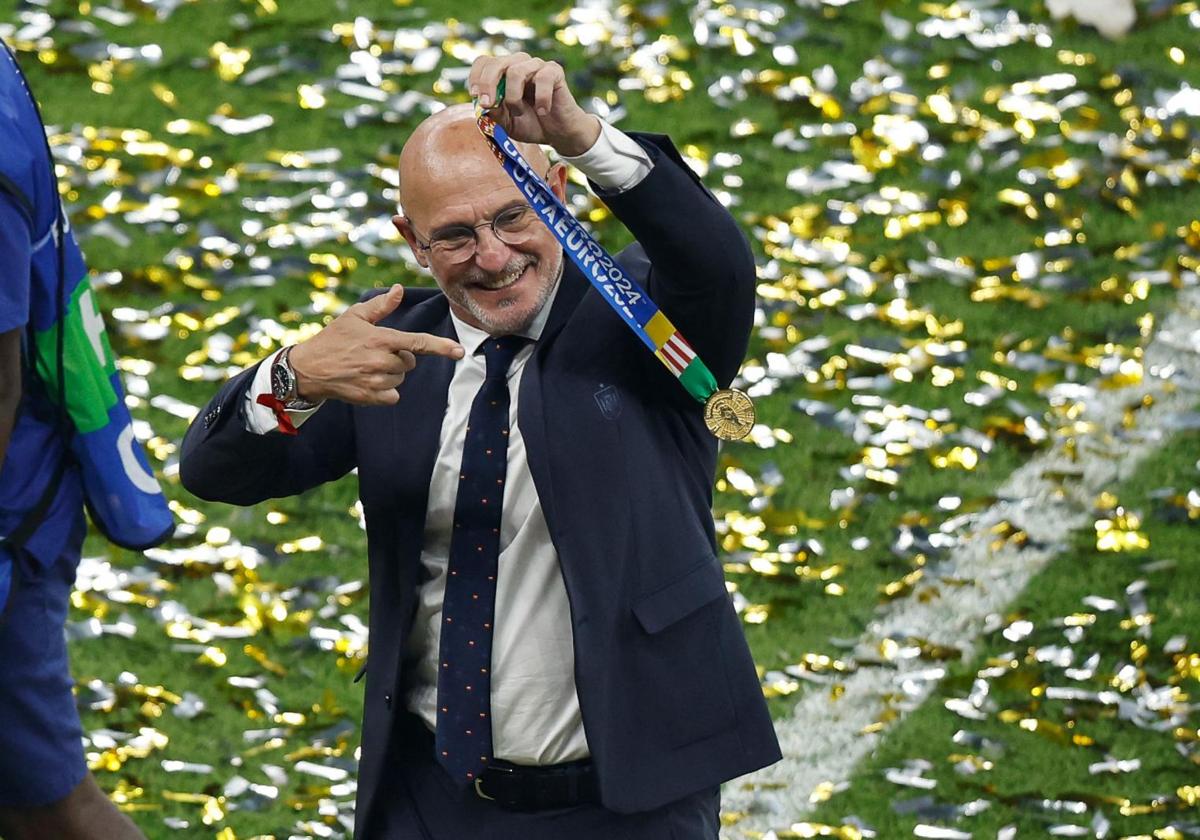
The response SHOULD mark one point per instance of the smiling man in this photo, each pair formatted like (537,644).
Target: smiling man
(496,283)
(553,651)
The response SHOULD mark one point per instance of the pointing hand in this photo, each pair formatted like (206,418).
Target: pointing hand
(358,362)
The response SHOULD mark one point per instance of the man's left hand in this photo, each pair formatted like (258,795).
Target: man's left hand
(538,106)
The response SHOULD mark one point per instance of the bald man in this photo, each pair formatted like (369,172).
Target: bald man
(553,651)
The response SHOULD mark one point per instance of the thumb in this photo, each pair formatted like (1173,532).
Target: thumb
(380,306)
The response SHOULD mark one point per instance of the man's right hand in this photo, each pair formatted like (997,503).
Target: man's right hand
(355,361)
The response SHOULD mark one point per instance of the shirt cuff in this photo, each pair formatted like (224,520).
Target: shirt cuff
(615,163)
(259,419)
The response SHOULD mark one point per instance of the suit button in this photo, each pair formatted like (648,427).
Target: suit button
(387,700)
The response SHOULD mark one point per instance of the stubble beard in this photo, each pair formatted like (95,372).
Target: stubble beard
(506,323)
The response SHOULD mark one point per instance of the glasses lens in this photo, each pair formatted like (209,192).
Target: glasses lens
(514,225)
(454,245)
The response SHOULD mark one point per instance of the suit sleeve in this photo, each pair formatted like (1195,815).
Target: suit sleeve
(701,269)
(223,461)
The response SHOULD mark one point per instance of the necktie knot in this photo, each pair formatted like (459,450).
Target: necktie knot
(499,352)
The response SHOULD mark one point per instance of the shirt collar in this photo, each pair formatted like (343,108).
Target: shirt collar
(472,337)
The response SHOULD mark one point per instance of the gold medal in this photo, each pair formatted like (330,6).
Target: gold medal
(729,414)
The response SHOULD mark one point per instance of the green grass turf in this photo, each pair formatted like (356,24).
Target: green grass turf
(804,615)
(1026,766)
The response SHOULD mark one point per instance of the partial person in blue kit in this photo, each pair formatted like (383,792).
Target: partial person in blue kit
(554,655)
(66,442)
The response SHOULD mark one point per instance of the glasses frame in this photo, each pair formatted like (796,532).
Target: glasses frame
(427,246)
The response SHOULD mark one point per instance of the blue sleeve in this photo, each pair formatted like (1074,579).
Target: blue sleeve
(16,254)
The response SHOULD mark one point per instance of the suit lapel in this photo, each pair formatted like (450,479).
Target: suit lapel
(417,418)
(572,287)
(531,409)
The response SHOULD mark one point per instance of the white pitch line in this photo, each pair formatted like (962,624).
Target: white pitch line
(822,740)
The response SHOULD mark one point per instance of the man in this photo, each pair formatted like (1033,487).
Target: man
(57,452)
(553,652)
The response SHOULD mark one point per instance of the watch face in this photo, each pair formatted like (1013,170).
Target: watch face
(281,381)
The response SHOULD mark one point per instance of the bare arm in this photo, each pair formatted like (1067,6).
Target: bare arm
(10,386)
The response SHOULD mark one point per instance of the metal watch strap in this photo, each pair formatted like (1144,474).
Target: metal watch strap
(296,402)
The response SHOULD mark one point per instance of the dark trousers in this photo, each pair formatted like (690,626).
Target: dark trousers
(418,801)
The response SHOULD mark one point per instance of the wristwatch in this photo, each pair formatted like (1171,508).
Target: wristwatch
(283,383)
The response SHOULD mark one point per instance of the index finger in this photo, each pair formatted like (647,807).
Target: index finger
(477,66)
(485,76)
(426,344)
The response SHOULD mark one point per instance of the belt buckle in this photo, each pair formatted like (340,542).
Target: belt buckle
(479,781)
(479,791)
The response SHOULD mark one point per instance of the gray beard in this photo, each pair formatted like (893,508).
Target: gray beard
(487,318)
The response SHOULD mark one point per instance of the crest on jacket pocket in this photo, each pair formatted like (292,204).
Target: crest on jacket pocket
(609,401)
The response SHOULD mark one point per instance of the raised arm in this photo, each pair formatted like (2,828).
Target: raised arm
(235,451)
(700,268)
(701,271)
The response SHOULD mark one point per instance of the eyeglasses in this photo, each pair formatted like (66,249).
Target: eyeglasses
(514,226)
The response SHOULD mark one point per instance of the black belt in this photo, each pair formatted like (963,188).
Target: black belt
(517,787)
(521,787)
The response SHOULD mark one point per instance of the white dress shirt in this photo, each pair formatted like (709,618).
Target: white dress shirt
(535,706)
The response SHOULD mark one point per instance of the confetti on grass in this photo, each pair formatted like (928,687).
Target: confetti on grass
(962,215)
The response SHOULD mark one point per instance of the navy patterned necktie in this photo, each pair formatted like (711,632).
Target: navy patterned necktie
(464,723)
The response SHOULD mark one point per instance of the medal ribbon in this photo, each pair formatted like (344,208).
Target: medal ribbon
(624,294)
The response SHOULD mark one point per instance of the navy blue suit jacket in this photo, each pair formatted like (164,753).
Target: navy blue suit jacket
(624,468)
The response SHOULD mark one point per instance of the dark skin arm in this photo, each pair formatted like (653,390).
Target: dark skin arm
(10,386)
